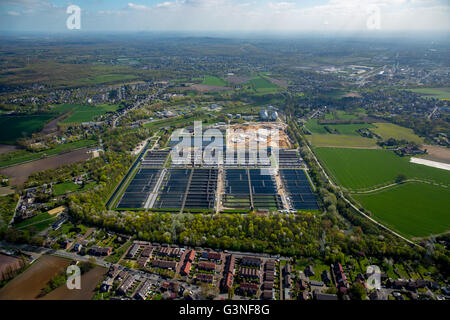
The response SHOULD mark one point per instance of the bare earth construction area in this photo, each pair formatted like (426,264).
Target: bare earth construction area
(437,153)
(89,282)
(28,285)
(19,174)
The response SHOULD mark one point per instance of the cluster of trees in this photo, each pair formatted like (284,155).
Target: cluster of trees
(391,142)
(121,140)
(98,169)
(7,206)
(424,126)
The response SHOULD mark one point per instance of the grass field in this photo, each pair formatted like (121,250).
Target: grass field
(15,157)
(178,122)
(16,127)
(414,209)
(390,130)
(213,81)
(65,187)
(438,93)
(343,115)
(263,85)
(347,129)
(40,222)
(337,140)
(69,186)
(82,113)
(366,168)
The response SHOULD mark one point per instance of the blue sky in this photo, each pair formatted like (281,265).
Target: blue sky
(226,15)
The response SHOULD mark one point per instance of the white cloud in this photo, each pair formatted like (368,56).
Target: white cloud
(13,13)
(137,6)
(281,5)
(28,3)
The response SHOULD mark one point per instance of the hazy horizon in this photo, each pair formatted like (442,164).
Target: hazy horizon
(228,15)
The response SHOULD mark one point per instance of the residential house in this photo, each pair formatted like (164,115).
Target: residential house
(208,278)
(309,271)
(171,265)
(251,261)
(126,284)
(143,291)
(249,273)
(133,250)
(249,288)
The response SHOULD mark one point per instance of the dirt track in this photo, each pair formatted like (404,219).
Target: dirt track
(52,126)
(237,79)
(5,148)
(205,88)
(281,83)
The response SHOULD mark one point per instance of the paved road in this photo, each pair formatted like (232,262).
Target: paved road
(39,251)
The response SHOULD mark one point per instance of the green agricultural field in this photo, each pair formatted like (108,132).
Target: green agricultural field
(213,81)
(390,130)
(82,113)
(314,127)
(437,93)
(263,85)
(343,115)
(414,209)
(366,168)
(16,127)
(345,129)
(338,140)
(179,122)
(16,157)
(67,74)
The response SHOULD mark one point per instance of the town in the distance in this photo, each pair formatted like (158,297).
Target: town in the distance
(334,182)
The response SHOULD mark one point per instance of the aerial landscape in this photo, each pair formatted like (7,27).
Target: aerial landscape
(194,164)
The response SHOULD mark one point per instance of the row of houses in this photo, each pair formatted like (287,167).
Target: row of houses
(188,260)
(203,277)
(269,277)
(171,252)
(100,251)
(146,255)
(413,285)
(165,264)
(340,277)
(126,284)
(143,290)
(251,261)
(228,273)
(211,256)
(207,266)
(248,288)
(250,273)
